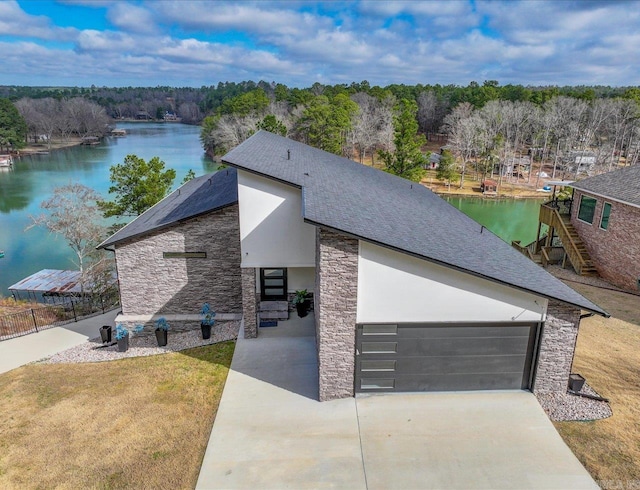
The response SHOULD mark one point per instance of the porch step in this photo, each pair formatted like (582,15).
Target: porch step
(274,315)
(273,306)
(273,310)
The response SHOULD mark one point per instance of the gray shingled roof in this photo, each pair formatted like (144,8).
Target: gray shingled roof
(198,196)
(620,185)
(384,209)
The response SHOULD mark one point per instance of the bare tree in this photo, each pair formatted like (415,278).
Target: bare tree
(72,213)
(431,111)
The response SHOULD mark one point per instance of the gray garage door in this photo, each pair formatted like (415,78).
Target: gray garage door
(435,357)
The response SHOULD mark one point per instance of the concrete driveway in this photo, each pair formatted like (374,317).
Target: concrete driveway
(271,432)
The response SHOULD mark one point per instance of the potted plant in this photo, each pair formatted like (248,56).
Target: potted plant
(105,334)
(208,320)
(122,336)
(301,302)
(162,327)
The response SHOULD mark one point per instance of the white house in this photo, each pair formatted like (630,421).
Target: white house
(409,294)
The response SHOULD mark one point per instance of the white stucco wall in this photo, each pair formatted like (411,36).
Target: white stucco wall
(272,232)
(301,278)
(394,287)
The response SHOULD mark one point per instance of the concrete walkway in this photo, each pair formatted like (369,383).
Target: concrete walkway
(32,347)
(271,432)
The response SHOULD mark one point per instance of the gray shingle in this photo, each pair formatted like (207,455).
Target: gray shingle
(621,185)
(198,196)
(394,212)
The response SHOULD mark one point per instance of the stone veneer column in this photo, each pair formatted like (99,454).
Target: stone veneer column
(335,312)
(557,347)
(249,311)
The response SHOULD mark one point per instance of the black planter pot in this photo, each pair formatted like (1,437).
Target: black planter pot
(206,331)
(161,337)
(576,382)
(123,344)
(302,308)
(105,333)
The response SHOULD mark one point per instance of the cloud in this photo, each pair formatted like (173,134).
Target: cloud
(132,18)
(16,22)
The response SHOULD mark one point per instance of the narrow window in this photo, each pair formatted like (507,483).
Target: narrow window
(273,284)
(184,255)
(606,212)
(587,209)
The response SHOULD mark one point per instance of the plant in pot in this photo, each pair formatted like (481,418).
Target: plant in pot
(122,336)
(162,327)
(208,320)
(302,302)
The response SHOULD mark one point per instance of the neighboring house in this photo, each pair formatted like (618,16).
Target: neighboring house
(606,215)
(409,293)
(434,161)
(580,161)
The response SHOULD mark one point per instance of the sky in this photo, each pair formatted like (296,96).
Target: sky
(195,43)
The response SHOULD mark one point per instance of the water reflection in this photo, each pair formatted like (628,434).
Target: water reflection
(34,177)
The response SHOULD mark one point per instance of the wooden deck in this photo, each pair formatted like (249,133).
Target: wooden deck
(557,216)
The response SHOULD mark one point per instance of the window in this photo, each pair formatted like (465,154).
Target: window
(587,209)
(273,284)
(184,255)
(606,212)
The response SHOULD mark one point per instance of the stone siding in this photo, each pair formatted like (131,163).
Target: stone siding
(249,303)
(557,347)
(153,285)
(616,250)
(335,312)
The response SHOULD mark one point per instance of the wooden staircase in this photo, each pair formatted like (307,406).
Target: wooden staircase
(574,247)
(586,267)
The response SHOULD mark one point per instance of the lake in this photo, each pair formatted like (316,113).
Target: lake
(33,179)
(510,219)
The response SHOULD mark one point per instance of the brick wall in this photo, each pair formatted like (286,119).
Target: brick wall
(557,347)
(616,250)
(335,312)
(151,284)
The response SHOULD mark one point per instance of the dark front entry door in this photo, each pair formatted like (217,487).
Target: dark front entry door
(273,284)
(442,357)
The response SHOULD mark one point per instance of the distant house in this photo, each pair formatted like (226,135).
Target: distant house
(409,294)
(434,161)
(143,116)
(580,161)
(606,215)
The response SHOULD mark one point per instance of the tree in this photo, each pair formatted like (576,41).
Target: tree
(189,176)
(446,168)
(13,128)
(73,214)
(273,125)
(407,159)
(138,185)
(325,123)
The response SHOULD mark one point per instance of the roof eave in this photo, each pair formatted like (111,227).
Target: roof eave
(457,268)
(164,226)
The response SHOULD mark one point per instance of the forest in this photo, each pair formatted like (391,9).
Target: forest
(576,128)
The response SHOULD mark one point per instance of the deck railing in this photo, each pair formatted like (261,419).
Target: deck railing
(47,316)
(550,215)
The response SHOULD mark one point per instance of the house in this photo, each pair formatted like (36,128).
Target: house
(433,162)
(606,216)
(409,293)
(580,161)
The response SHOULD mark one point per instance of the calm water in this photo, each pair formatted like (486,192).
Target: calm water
(510,219)
(34,177)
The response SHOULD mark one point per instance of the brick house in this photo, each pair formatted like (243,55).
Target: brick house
(409,293)
(606,215)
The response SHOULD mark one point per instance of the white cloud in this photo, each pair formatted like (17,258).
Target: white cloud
(16,22)
(132,18)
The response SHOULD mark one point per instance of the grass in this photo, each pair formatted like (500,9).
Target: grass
(132,423)
(608,356)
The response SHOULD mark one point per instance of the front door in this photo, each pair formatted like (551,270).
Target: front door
(273,284)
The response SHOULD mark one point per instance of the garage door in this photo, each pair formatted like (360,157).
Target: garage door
(436,357)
